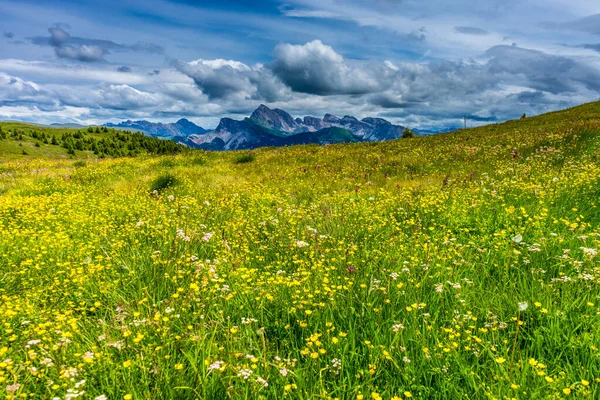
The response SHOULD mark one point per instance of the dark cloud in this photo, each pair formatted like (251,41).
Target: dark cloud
(233,80)
(154,72)
(541,71)
(315,68)
(124,68)
(84,49)
(8,35)
(469,30)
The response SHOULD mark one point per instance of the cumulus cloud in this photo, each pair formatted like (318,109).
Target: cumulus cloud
(233,80)
(84,49)
(316,68)
(313,78)
(15,88)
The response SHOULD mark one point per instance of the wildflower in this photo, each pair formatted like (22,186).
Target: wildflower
(101,397)
(567,391)
(127,363)
(216,365)
(517,239)
(523,306)
(500,360)
(245,373)
(178,367)
(283,372)
(261,381)
(13,388)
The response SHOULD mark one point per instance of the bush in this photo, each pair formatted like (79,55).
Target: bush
(79,164)
(163,182)
(244,158)
(407,134)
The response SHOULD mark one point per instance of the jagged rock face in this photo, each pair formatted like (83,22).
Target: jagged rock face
(275,119)
(315,124)
(332,119)
(267,127)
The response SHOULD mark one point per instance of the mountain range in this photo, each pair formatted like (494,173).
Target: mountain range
(181,128)
(269,127)
(275,127)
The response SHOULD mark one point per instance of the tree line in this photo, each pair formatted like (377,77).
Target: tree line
(113,144)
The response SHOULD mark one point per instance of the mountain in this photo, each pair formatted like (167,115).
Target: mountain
(181,128)
(275,127)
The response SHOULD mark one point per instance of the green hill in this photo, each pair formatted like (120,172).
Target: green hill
(18,140)
(460,265)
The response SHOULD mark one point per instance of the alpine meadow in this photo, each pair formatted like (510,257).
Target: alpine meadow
(458,265)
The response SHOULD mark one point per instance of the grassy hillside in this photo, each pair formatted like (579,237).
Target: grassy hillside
(462,265)
(19,140)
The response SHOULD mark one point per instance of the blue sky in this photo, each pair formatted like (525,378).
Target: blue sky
(419,63)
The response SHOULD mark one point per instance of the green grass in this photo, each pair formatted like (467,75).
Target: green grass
(362,270)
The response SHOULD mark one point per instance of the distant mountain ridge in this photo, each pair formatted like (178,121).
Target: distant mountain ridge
(275,127)
(181,128)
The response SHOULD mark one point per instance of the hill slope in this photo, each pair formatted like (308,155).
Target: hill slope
(19,140)
(462,265)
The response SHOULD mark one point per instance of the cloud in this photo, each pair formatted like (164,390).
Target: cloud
(541,71)
(469,30)
(8,35)
(233,80)
(589,24)
(84,49)
(316,68)
(15,88)
(124,68)
(595,47)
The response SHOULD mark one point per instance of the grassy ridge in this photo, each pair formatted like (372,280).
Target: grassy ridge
(18,140)
(461,265)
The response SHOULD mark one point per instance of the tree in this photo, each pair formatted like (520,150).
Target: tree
(407,133)
(523,116)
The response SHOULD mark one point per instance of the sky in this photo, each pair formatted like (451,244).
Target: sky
(420,63)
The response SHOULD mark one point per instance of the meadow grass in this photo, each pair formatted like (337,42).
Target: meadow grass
(461,265)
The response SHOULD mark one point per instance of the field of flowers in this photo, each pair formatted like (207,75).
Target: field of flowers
(461,265)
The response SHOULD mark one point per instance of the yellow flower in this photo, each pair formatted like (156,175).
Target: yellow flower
(567,391)
(127,363)
(127,397)
(408,394)
(178,367)
(584,382)
(314,355)
(360,397)
(500,360)
(549,379)
(335,340)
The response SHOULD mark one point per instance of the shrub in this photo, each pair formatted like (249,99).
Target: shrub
(407,134)
(163,182)
(79,164)
(244,158)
